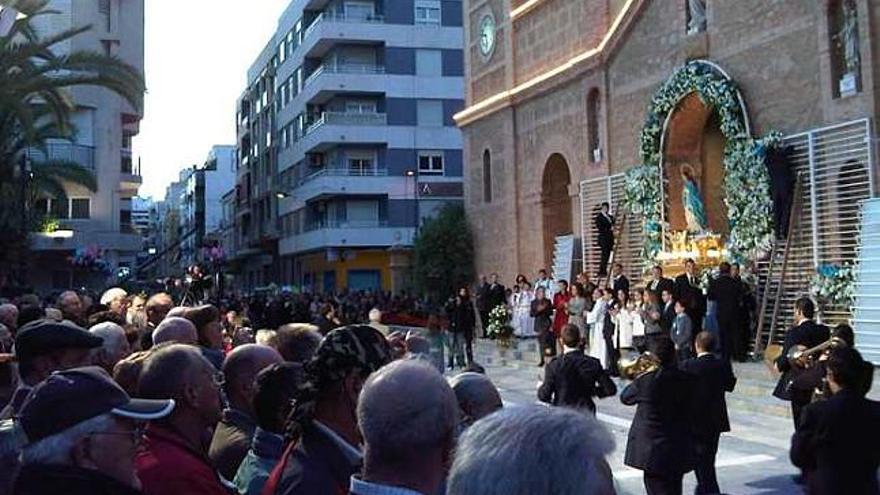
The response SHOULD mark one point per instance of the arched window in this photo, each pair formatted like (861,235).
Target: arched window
(594,142)
(487,176)
(845,49)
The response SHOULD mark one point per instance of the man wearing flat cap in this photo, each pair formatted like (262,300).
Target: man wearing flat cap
(43,347)
(82,434)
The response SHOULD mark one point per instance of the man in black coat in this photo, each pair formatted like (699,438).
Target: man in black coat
(658,283)
(573,379)
(660,440)
(605,238)
(619,282)
(482,300)
(838,442)
(727,294)
(808,334)
(715,377)
(782,180)
(686,289)
(668,315)
(495,293)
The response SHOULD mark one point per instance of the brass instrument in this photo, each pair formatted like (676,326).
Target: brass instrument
(802,357)
(633,365)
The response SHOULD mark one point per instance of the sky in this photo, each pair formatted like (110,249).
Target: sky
(197,53)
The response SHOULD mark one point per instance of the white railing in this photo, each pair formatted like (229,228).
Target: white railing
(358,69)
(345,172)
(340,17)
(347,118)
(345,224)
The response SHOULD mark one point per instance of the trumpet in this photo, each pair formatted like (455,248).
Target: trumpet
(633,365)
(802,357)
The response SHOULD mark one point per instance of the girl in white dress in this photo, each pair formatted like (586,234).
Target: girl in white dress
(638,325)
(596,320)
(623,322)
(524,324)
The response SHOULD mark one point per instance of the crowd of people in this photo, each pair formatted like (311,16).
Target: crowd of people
(309,394)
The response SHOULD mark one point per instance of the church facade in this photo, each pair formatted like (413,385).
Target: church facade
(558,93)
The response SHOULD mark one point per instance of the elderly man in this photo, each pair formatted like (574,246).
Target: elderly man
(114,349)
(297,341)
(42,347)
(327,453)
(408,414)
(533,449)
(376,321)
(9,316)
(174,459)
(82,434)
(233,435)
(156,309)
(176,329)
(116,300)
(477,397)
(71,307)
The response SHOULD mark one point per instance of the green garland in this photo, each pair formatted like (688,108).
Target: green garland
(746,182)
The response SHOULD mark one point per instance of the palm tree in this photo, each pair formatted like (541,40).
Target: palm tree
(35,109)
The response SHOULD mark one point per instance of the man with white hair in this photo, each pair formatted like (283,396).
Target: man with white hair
(9,316)
(407,414)
(477,397)
(71,307)
(116,300)
(115,347)
(375,317)
(533,449)
(176,329)
(82,434)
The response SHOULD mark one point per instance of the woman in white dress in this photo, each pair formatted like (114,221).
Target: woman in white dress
(638,325)
(596,321)
(623,322)
(523,323)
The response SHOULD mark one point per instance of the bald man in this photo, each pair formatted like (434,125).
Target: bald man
(407,414)
(477,396)
(156,309)
(234,433)
(176,329)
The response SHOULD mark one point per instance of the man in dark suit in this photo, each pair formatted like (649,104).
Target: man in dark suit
(619,282)
(605,229)
(727,294)
(495,293)
(482,301)
(687,290)
(658,284)
(782,180)
(838,442)
(714,378)
(668,315)
(573,379)
(660,440)
(806,333)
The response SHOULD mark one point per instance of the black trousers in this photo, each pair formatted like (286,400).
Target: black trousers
(796,410)
(706,449)
(663,484)
(605,253)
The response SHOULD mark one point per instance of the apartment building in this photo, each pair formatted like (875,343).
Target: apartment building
(105,125)
(346,142)
(201,202)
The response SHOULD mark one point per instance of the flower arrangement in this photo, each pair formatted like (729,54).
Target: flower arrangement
(91,258)
(499,325)
(834,284)
(746,181)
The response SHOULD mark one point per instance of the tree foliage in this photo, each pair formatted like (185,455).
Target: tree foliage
(444,253)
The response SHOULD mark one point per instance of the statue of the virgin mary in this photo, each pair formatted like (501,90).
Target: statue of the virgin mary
(694,210)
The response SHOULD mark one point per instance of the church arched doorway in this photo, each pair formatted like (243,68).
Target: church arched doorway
(556,203)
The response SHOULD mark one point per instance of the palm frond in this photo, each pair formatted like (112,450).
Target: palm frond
(67,171)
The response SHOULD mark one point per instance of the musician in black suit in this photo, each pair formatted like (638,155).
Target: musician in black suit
(495,293)
(668,314)
(806,333)
(619,282)
(686,289)
(838,442)
(605,228)
(714,378)
(727,294)
(658,283)
(573,379)
(660,440)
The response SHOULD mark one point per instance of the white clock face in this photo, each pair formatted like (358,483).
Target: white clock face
(487,35)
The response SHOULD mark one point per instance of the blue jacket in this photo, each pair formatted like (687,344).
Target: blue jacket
(266,449)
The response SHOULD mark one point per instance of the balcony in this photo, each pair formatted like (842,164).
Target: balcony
(76,153)
(329,234)
(327,29)
(331,128)
(330,182)
(328,80)
(130,172)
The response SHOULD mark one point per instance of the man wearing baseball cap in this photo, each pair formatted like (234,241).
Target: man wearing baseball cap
(82,433)
(43,347)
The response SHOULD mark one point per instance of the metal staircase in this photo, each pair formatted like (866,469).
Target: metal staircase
(866,311)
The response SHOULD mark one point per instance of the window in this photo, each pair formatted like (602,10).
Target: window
(429,63)
(360,163)
(80,209)
(359,10)
(428,12)
(282,51)
(845,48)
(360,107)
(487,176)
(593,116)
(429,112)
(431,163)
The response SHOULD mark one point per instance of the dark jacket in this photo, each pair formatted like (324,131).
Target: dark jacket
(573,379)
(620,283)
(495,296)
(48,479)
(316,466)
(605,229)
(660,439)
(324,325)
(714,378)
(809,334)
(691,295)
(658,286)
(728,294)
(667,317)
(543,315)
(231,441)
(838,445)
(461,317)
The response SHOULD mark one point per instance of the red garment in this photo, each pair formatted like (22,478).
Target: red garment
(560,318)
(168,465)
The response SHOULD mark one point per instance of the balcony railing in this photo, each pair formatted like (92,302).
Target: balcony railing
(345,224)
(347,118)
(129,166)
(344,172)
(77,153)
(340,17)
(358,69)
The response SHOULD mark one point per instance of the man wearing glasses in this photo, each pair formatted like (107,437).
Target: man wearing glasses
(83,431)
